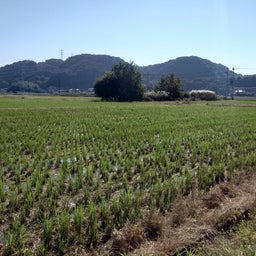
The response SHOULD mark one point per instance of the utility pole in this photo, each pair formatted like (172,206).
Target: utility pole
(227,91)
(59,85)
(232,82)
(61,54)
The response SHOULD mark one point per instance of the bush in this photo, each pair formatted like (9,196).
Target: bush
(156,96)
(203,95)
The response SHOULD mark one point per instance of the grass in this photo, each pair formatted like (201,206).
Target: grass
(76,170)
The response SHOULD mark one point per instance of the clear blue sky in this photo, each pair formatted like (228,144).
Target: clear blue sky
(145,31)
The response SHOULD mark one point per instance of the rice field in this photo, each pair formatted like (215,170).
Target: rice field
(75,169)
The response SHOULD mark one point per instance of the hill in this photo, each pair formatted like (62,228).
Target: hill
(198,73)
(81,71)
(194,72)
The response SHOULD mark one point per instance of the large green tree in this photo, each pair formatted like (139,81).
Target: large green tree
(172,86)
(122,83)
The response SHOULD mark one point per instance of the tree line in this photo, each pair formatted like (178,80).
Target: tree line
(124,83)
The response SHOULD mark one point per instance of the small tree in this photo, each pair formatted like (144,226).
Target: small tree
(122,83)
(172,86)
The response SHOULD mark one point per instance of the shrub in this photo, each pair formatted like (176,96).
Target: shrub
(122,83)
(156,96)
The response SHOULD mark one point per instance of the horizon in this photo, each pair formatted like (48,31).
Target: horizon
(146,32)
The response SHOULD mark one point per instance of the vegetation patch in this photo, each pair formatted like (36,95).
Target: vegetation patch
(104,177)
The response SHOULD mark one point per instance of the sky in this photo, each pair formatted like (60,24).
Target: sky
(144,31)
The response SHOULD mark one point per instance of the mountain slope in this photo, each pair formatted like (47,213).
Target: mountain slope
(190,67)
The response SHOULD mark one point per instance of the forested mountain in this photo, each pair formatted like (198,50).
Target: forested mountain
(194,72)
(81,71)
